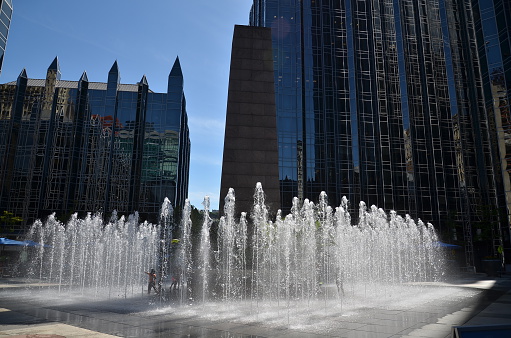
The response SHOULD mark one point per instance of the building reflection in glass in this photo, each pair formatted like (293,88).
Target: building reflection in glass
(80,146)
(387,100)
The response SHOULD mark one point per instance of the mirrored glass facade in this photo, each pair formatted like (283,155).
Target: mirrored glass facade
(383,101)
(492,37)
(80,146)
(5,24)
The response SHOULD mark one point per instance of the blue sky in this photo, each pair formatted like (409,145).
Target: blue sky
(144,37)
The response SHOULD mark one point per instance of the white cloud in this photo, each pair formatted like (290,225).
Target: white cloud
(211,128)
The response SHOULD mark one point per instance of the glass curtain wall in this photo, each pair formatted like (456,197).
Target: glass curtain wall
(5,24)
(492,23)
(361,90)
(75,146)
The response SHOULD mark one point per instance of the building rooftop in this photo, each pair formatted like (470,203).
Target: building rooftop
(74,84)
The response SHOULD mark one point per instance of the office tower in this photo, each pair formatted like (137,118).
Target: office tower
(250,145)
(491,43)
(80,146)
(383,101)
(361,105)
(5,24)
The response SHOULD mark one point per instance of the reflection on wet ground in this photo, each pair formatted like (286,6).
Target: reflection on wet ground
(404,311)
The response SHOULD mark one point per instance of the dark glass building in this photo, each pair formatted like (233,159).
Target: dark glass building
(80,146)
(491,43)
(387,102)
(361,111)
(5,24)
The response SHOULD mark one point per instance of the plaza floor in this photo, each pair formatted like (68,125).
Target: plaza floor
(473,300)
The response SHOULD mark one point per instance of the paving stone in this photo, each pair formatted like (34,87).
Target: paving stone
(348,325)
(298,334)
(437,327)
(457,318)
(365,334)
(430,333)
(53,329)
(256,330)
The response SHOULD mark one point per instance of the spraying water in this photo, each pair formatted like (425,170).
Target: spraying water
(314,254)
(87,254)
(205,250)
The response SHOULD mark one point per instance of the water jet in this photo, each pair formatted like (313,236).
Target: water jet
(310,265)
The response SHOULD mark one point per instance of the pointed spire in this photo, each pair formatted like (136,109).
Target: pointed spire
(143,81)
(176,69)
(23,74)
(55,68)
(83,82)
(175,83)
(84,77)
(115,68)
(114,77)
(22,78)
(55,64)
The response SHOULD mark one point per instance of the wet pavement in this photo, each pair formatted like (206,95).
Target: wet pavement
(481,301)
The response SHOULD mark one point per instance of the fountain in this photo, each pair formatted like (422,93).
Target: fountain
(86,254)
(316,253)
(312,262)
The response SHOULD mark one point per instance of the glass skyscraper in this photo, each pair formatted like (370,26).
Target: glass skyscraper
(80,146)
(5,24)
(492,36)
(382,101)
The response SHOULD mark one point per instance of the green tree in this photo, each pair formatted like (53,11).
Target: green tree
(8,221)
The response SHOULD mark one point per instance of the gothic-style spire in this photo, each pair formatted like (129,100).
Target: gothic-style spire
(143,81)
(115,68)
(175,78)
(55,64)
(176,69)
(114,75)
(84,77)
(54,69)
(23,74)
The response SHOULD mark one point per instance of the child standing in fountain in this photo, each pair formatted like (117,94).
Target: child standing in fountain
(152,282)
